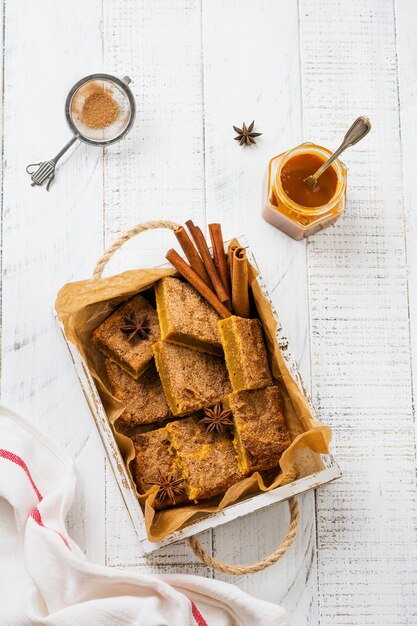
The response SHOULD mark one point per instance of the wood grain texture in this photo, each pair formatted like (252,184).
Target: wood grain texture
(347,299)
(2,59)
(43,245)
(243,81)
(405,20)
(157,172)
(360,343)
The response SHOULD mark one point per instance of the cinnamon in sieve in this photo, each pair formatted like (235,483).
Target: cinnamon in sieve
(99,109)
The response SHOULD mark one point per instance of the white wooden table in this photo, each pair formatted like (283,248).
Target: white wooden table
(347,297)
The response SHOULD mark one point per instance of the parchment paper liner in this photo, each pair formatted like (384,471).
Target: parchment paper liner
(81,306)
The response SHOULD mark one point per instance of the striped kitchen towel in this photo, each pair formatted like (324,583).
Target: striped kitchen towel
(46,579)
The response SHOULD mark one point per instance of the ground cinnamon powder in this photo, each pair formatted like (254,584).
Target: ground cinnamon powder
(99,109)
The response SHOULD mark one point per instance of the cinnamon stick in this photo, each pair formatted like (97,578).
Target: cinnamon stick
(202,247)
(233,244)
(240,282)
(219,256)
(192,255)
(194,279)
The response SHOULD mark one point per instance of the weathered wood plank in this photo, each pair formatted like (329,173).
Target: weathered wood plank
(49,238)
(247,66)
(359,322)
(2,32)
(406,19)
(251,71)
(157,172)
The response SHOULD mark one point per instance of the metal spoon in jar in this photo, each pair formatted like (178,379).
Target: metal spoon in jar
(360,127)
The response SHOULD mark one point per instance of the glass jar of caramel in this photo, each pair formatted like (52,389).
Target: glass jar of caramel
(292,206)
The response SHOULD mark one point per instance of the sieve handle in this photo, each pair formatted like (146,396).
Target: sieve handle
(64,149)
(45,171)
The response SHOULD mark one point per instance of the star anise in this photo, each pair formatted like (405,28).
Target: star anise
(135,326)
(245,135)
(169,486)
(216,419)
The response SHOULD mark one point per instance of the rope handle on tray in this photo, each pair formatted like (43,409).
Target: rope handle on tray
(234,570)
(136,230)
(239,570)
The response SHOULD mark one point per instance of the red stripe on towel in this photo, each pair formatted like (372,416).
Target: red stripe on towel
(38,519)
(200,621)
(36,516)
(19,461)
(10,456)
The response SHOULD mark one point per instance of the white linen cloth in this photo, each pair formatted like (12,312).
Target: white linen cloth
(46,579)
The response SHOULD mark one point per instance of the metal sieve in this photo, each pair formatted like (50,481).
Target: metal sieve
(120,92)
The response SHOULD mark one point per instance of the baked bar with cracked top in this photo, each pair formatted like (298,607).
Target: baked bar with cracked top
(191,379)
(207,459)
(154,464)
(144,398)
(132,353)
(261,435)
(245,353)
(186,318)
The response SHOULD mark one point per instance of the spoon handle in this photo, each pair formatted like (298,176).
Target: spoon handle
(360,127)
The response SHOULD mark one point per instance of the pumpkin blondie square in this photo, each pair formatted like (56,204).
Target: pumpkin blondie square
(127,335)
(260,432)
(191,379)
(245,353)
(207,458)
(154,465)
(186,318)
(144,398)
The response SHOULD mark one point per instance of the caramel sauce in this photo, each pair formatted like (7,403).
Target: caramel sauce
(296,169)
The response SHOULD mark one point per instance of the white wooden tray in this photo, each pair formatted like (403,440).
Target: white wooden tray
(246,504)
